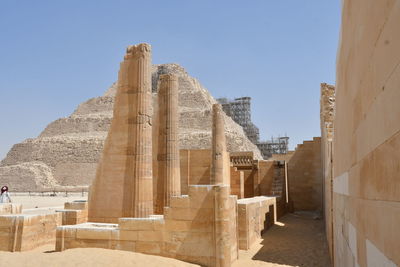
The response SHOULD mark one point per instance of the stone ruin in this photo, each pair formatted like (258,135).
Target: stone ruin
(196,205)
(352,170)
(199,227)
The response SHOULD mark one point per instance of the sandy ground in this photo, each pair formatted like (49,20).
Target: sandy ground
(44,204)
(85,257)
(297,240)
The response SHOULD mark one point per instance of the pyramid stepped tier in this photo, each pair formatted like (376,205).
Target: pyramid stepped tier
(66,153)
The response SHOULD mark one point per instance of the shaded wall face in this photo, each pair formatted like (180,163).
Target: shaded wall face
(326,147)
(305,176)
(366,185)
(266,173)
(327,113)
(249,183)
(195,168)
(237,182)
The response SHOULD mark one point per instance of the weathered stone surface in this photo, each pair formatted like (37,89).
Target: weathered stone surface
(366,142)
(219,163)
(123,186)
(67,151)
(168,175)
(200,228)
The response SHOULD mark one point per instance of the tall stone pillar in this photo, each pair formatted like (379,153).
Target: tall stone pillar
(123,183)
(169,178)
(225,227)
(220,175)
(219,155)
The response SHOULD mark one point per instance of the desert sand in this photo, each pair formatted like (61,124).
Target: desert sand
(296,240)
(84,257)
(42,202)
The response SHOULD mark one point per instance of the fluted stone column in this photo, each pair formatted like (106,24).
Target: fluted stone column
(123,184)
(218,160)
(224,226)
(220,175)
(169,179)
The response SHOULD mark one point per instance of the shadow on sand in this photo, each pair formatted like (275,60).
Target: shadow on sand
(297,240)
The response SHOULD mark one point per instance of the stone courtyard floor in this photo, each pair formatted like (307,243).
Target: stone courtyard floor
(297,240)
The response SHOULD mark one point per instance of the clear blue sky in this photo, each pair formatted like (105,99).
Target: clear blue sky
(56,54)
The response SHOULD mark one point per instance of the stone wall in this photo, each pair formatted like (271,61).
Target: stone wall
(10,208)
(75,212)
(24,232)
(250,183)
(266,174)
(195,166)
(305,176)
(187,231)
(237,182)
(366,185)
(286,157)
(255,215)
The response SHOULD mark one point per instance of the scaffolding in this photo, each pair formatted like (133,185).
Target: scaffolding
(278,145)
(240,111)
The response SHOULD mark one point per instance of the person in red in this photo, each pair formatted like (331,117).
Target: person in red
(5,196)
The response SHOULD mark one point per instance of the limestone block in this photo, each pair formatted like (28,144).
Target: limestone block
(200,249)
(126,245)
(180,214)
(88,243)
(141,223)
(67,232)
(251,219)
(10,208)
(201,196)
(185,226)
(177,226)
(146,247)
(189,214)
(195,166)
(25,232)
(127,235)
(94,233)
(305,176)
(150,236)
(180,201)
(70,217)
(76,205)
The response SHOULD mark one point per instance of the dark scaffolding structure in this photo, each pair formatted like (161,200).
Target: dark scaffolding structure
(239,110)
(277,145)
